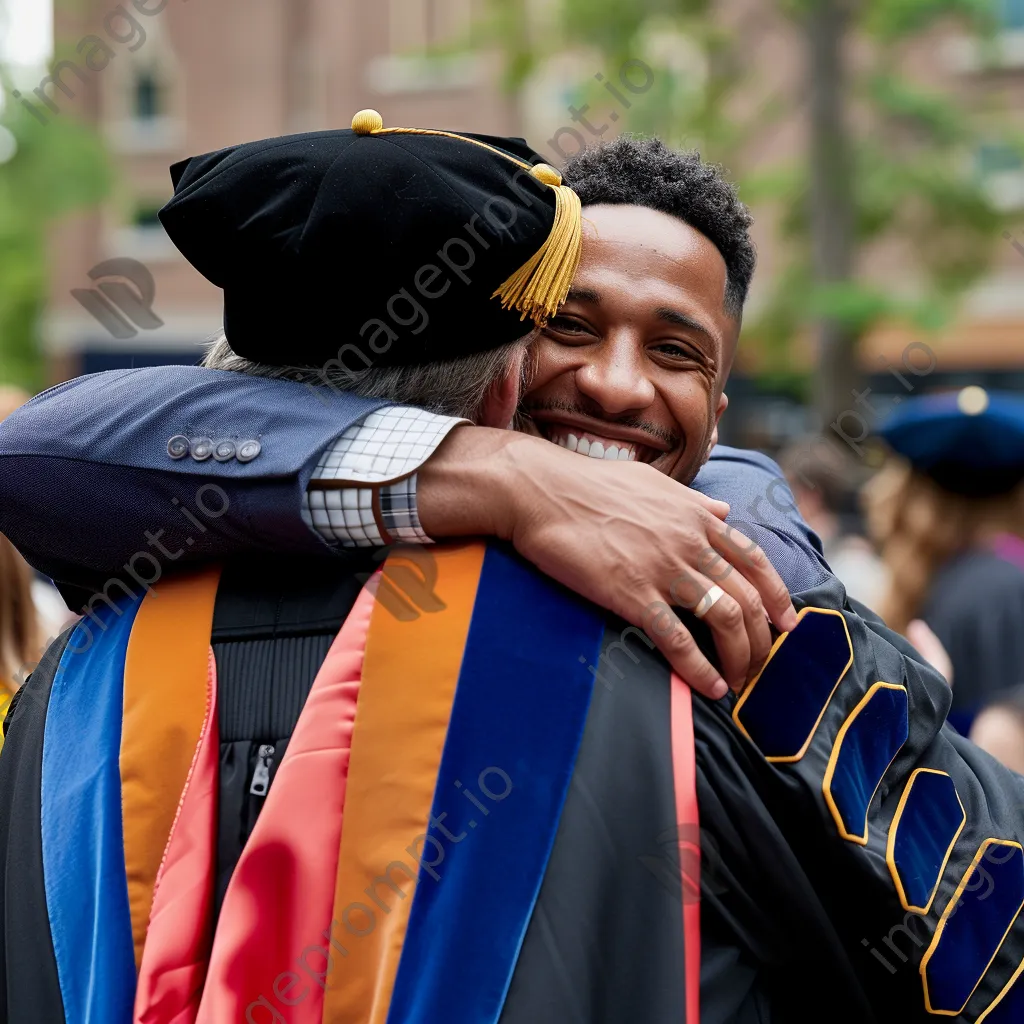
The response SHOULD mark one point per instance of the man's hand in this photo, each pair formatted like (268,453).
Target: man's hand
(620,534)
(919,633)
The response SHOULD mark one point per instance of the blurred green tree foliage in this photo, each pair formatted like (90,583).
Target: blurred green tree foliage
(885,156)
(55,168)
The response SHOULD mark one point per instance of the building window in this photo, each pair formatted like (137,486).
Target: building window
(417,26)
(141,236)
(426,53)
(146,99)
(1012,13)
(1001,170)
(147,217)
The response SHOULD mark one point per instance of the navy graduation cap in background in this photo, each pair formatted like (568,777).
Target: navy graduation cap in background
(969,442)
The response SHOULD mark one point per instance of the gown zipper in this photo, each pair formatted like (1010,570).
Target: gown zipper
(261,775)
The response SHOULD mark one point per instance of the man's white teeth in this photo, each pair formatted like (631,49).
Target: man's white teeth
(596,449)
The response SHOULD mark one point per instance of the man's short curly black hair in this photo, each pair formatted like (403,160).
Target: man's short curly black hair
(645,172)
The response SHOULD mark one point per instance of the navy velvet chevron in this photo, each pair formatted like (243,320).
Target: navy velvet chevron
(973,926)
(868,741)
(927,823)
(784,704)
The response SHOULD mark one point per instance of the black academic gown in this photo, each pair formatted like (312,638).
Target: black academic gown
(975,606)
(794,917)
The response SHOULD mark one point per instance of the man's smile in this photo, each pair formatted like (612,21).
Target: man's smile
(599,439)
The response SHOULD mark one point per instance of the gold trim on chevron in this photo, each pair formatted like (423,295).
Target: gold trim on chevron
(790,758)
(946,914)
(890,847)
(833,758)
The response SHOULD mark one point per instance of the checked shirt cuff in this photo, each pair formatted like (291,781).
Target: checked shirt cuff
(363,490)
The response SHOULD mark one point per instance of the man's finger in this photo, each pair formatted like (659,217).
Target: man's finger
(752,562)
(676,643)
(720,509)
(726,620)
(755,620)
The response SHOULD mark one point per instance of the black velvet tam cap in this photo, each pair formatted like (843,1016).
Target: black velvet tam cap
(969,442)
(376,246)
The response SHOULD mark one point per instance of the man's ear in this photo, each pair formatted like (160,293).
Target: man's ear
(502,399)
(723,404)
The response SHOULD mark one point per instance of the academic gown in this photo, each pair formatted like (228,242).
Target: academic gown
(577,904)
(975,605)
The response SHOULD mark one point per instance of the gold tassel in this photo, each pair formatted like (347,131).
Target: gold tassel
(541,284)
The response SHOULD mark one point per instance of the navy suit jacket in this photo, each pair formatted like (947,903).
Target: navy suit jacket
(88,487)
(91,495)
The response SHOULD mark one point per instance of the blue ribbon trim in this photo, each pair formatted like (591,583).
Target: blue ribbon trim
(517,721)
(82,836)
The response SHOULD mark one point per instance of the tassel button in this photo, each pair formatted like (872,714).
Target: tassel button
(366,122)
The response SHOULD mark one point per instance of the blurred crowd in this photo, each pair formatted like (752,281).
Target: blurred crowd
(932,540)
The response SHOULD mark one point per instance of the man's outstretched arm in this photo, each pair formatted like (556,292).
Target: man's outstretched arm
(109,479)
(99,487)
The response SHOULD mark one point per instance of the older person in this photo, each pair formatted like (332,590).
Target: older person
(464,738)
(249,795)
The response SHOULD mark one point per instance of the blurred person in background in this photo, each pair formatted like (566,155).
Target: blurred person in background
(51,613)
(19,630)
(18,623)
(947,511)
(999,729)
(824,487)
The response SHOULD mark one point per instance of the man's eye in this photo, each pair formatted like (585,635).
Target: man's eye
(566,325)
(672,348)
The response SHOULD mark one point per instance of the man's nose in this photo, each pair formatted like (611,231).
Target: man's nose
(615,376)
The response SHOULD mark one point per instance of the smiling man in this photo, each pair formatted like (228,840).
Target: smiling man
(634,364)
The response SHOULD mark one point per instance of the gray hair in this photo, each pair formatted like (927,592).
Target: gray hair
(455,387)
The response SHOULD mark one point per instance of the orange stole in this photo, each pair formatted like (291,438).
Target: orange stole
(409,677)
(268,954)
(174,962)
(165,706)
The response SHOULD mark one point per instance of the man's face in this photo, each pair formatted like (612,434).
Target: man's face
(633,365)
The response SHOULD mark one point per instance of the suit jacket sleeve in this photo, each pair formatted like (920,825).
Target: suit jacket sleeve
(912,833)
(92,497)
(762,507)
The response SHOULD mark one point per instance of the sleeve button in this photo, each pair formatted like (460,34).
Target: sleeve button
(248,450)
(225,451)
(178,446)
(202,448)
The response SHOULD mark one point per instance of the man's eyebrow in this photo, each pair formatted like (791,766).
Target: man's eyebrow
(583,295)
(674,316)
